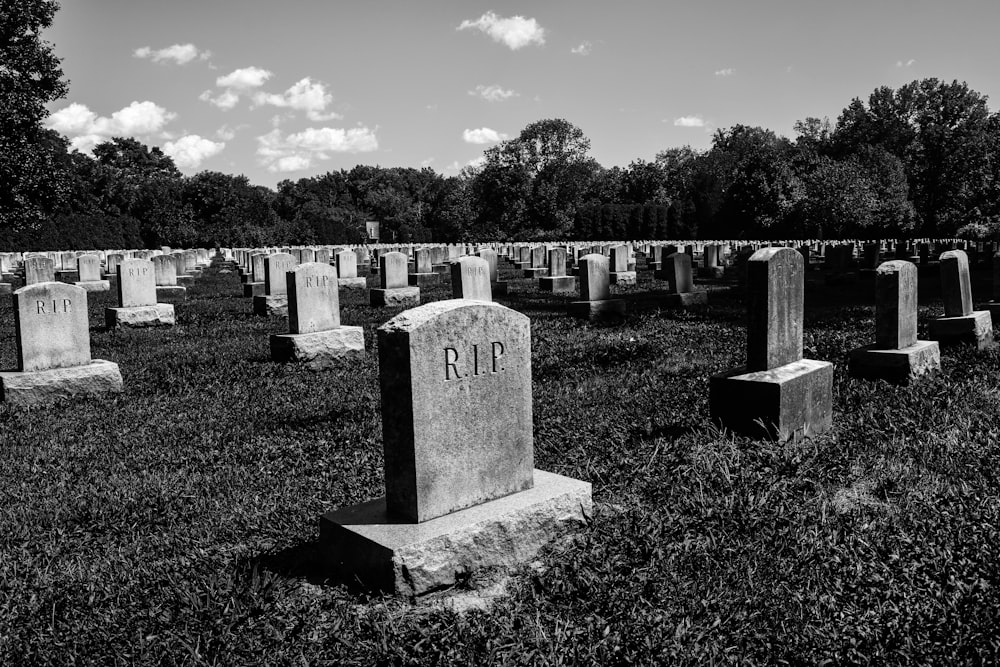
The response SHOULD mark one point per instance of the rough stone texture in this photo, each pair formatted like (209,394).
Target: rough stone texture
(395,298)
(898,366)
(321,349)
(956,288)
(594,281)
(157,315)
(353,283)
(249,290)
(313,298)
(270,305)
(366,544)
(622,277)
(787,402)
(606,310)
(775,302)
(557,283)
(164,271)
(44,386)
(94,285)
(470,279)
(685,299)
(175,292)
(136,283)
(895,305)
(975,328)
(51,326)
(422,261)
(455,381)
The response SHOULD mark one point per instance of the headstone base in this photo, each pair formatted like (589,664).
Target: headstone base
(95,285)
(185,279)
(158,315)
(898,366)
(170,293)
(622,277)
(320,349)
(362,544)
(598,311)
(270,305)
(39,387)
(395,297)
(499,288)
(976,328)
(536,272)
(352,283)
(785,403)
(424,279)
(557,283)
(685,299)
(252,289)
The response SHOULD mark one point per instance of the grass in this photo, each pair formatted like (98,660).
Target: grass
(176,523)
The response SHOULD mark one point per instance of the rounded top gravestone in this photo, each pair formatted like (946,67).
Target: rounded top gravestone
(51,326)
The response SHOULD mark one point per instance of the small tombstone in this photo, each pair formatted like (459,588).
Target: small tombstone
(275,299)
(307,256)
(680,280)
(536,263)
(347,271)
(89,273)
(557,280)
(111,264)
(52,334)
(165,276)
(423,265)
(323,256)
(461,489)
(470,279)
(254,286)
(39,270)
(897,355)
(395,289)
(618,269)
(960,324)
(137,306)
(595,302)
(778,394)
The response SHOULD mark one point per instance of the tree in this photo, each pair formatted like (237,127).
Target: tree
(30,77)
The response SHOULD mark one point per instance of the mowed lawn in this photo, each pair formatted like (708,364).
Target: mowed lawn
(176,523)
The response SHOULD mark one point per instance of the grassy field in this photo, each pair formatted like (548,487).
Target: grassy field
(176,523)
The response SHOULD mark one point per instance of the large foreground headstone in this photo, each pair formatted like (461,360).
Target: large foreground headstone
(595,302)
(960,324)
(395,289)
(315,336)
(461,491)
(137,306)
(778,394)
(897,355)
(53,348)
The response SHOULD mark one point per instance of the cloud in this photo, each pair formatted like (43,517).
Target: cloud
(227,133)
(908,63)
(180,54)
(493,93)
(689,121)
(85,129)
(583,49)
(483,135)
(225,100)
(729,71)
(244,79)
(515,32)
(298,151)
(305,95)
(191,150)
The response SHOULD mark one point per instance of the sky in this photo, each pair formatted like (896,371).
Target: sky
(289,89)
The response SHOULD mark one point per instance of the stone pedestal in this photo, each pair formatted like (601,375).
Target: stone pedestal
(622,277)
(898,366)
(685,299)
(95,285)
(171,293)
(352,283)
(40,387)
(320,349)
(252,289)
(395,297)
(976,329)
(557,283)
(785,403)
(158,315)
(499,288)
(424,279)
(598,311)
(271,305)
(363,544)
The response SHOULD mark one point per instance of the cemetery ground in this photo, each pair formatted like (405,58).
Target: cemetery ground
(176,523)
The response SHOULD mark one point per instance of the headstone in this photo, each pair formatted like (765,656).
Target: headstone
(960,324)
(461,491)
(347,271)
(275,299)
(778,394)
(395,290)
(470,279)
(618,272)
(536,263)
(595,302)
(89,273)
(423,265)
(557,280)
(137,306)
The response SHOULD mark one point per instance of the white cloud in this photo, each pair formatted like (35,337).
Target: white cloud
(493,93)
(225,100)
(305,95)
(483,135)
(908,63)
(180,54)
(227,133)
(297,151)
(515,32)
(191,150)
(244,78)
(85,129)
(729,71)
(583,49)
(689,121)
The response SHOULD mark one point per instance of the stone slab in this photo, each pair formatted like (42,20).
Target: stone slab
(685,299)
(976,329)
(252,289)
(270,305)
(424,279)
(41,387)
(898,366)
(622,277)
(598,311)
(352,283)
(171,292)
(95,285)
(363,545)
(321,349)
(788,402)
(557,283)
(157,315)
(398,297)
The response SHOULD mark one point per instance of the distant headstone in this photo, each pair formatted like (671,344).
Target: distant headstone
(557,280)
(595,302)
(89,272)
(165,275)
(347,271)
(275,299)
(137,306)
(470,279)
(423,269)
(395,289)
(38,270)
(960,324)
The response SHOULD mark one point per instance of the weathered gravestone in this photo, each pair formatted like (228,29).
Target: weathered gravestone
(137,306)
(676,270)
(111,263)
(52,334)
(778,394)
(470,279)
(39,270)
(557,280)
(461,489)
(711,262)
(347,271)
(275,299)
(89,274)
(254,286)
(165,276)
(897,355)
(423,269)
(394,290)
(536,264)
(595,302)
(315,336)
(618,271)
(497,287)
(960,324)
